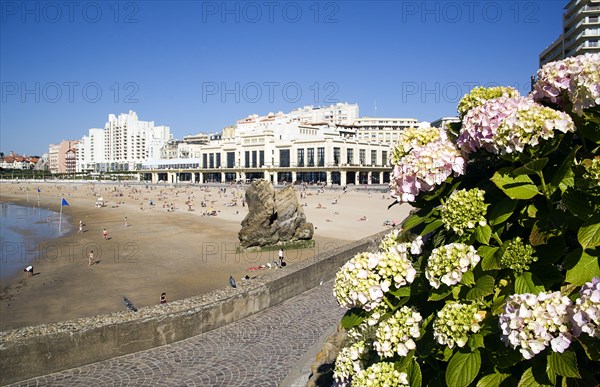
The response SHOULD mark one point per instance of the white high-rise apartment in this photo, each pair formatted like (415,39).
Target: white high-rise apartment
(580,32)
(90,154)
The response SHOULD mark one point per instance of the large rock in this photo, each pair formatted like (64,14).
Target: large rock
(273,217)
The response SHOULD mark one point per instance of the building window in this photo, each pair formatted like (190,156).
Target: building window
(350,156)
(384,158)
(373,157)
(254,160)
(211,160)
(204,163)
(218,160)
(310,157)
(361,156)
(320,157)
(261,158)
(301,157)
(247,163)
(284,157)
(336,156)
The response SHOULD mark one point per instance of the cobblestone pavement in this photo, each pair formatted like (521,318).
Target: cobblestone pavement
(259,350)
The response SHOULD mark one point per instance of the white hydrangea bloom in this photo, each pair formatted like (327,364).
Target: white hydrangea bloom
(530,322)
(380,374)
(586,313)
(447,264)
(349,361)
(395,335)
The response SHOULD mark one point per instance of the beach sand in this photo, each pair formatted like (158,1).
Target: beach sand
(181,252)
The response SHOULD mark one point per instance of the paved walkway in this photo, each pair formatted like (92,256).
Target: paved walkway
(259,350)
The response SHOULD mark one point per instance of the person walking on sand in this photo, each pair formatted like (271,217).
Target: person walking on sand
(163,298)
(280,257)
(105,233)
(80,227)
(91,258)
(126,224)
(29,271)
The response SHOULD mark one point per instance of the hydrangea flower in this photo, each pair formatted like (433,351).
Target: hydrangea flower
(464,209)
(357,284)
(395,335)
(592,170)
(349,361)
(479,95)
(412,138)
(586,313)
(505,125)
(576,78)
(362,281)
(454,322)
(424,168)
(448,263)
(517,255)
(531,322)
(381,374)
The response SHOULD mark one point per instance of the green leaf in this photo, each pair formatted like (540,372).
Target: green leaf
(581,267)
(403,291)
(540,234)
(563,173)
(564,364)
(476,341)
(468,278)
(413,371)
(524,283)
(439,294)
(579,204)
(488,258)
(492,380)
(500,212)
(591,346)
(515,187)
(483,287)
(483,234)
(532,167)
(529,380)
(353,317)
(432,226)
(589,233)
(416,219)
(463,368)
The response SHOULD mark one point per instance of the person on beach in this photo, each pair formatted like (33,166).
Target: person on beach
(91,258)
(163,298)
(29,271)
(80,227)
(126,224)
(105,233)
(281,263)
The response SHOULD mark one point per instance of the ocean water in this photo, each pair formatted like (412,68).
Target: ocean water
(21,231)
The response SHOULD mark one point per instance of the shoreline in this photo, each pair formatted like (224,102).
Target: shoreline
(181,253)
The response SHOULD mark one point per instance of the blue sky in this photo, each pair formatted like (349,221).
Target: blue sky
(198,66)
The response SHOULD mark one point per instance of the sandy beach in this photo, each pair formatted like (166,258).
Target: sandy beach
(170,246)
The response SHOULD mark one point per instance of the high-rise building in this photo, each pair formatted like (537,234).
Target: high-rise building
(580,32)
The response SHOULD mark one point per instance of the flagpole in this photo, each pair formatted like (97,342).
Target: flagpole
(60,217)
(38,197)
(27,190)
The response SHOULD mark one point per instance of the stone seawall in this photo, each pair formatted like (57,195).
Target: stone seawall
(43,349)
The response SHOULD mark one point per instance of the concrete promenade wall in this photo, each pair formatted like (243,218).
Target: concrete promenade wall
(44,349)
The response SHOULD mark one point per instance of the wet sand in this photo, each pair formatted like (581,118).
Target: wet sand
(180,252)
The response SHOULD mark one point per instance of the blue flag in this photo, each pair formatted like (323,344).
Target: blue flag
(64,202)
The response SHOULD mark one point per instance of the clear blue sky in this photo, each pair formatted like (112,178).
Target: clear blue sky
(198,66)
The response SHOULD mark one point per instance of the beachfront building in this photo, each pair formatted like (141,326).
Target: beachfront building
(580,32)
(122,145)
(381,130)
(293,147)
(445,122)
(63,156)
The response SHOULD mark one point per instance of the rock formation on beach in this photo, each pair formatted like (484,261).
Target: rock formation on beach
(273,216)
